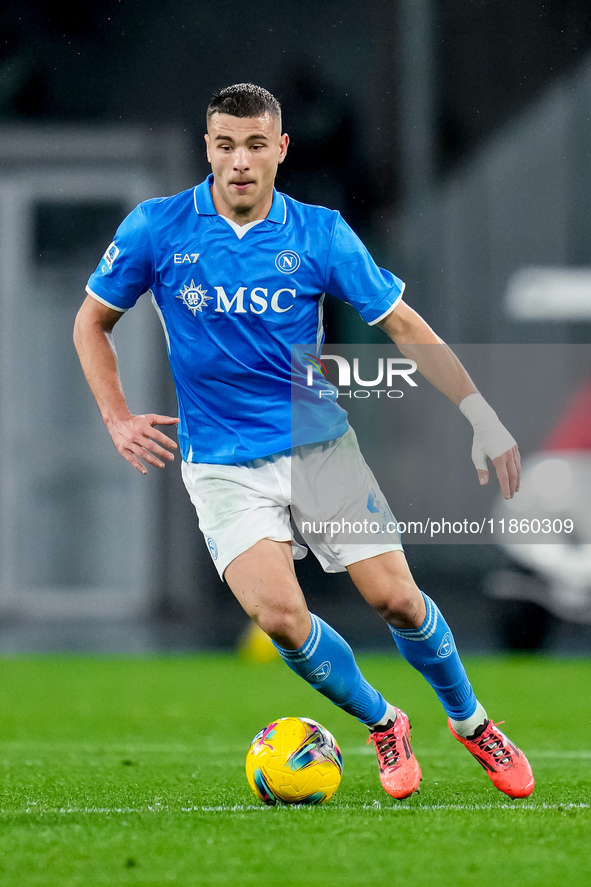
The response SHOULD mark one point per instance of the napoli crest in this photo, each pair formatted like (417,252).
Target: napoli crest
(194,298)
(446,646)
(321,673)
(213,549)
(287,261)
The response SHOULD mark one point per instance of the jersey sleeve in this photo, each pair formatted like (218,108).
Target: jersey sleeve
(126,270)
(353,276)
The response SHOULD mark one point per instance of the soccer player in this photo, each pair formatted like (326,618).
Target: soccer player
(238,272)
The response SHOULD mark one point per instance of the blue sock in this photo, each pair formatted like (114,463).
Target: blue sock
(431,649)
(327,663)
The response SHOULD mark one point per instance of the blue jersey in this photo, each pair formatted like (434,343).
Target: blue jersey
(233,308)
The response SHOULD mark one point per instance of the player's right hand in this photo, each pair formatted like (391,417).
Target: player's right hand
(136,439)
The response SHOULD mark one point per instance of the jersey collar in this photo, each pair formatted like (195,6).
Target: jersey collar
(204,205)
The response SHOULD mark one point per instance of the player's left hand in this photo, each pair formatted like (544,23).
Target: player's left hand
(508,468)
(492,441)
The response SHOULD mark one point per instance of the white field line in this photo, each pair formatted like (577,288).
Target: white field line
(228,751)
(259,808)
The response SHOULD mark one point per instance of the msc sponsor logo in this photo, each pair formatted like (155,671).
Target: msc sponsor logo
(194,298)
(287,261)
(257,300)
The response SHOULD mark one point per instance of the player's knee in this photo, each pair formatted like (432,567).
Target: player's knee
(287,627)
(402,607)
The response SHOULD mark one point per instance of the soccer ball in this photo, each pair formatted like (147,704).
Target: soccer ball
(294,760)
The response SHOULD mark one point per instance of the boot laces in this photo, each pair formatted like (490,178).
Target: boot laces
(387,749)
(493,745)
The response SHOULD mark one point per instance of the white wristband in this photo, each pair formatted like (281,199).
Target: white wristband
(477,410)
(491,438)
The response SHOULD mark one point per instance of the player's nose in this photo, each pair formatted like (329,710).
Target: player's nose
(240,159)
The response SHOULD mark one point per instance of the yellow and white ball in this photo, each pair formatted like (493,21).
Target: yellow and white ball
(294,760)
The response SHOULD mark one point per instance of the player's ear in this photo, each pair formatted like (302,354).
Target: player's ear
(206,137)
(283,143)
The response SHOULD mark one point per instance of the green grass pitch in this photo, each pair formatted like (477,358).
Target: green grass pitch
(131,772)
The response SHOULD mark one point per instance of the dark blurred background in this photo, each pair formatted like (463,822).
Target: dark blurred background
(454,137)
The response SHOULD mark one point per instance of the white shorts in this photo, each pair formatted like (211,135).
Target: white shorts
(326,490)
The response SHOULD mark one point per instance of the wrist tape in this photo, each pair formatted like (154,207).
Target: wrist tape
(491,438)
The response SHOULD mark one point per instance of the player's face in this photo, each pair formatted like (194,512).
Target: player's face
(244,153)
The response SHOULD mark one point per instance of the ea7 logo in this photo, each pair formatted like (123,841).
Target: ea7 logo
(185,258)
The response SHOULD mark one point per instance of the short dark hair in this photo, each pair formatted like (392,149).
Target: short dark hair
(243,100)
